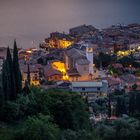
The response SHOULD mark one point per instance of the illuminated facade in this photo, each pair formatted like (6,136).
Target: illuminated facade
(59,43)
(52,74)
(60,66)
(63,43)
(34,75)
(59,40)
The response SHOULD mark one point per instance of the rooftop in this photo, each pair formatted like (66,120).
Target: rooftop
(87,84)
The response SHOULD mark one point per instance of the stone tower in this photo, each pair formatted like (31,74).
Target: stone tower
(89,55)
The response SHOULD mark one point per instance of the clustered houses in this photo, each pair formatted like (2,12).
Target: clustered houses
(83,31)
(69,60)
(34,74)
(59,40)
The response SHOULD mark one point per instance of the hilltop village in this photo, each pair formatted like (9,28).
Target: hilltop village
(89,61)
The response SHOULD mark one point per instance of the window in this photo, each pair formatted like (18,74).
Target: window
(98,89)
(83,89)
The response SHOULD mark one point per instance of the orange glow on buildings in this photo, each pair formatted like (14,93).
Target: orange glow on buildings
(60,66)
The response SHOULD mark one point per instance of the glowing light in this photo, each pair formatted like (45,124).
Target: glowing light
(123,53)
(29,51)
(60,66)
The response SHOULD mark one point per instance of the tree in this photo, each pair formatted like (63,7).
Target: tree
(120,107)
(109,106)
(41,128)
(71,109)
(104,59)
(134,87)
(138,102)
(8,82)
(26,88)
(132,101)
(16,70)
(5,88)
(28,75)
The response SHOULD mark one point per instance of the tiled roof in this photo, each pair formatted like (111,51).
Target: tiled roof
(112,81)
(129,78)
(75,53)
(82,62)
(87,84)
(33,68)
(49,71)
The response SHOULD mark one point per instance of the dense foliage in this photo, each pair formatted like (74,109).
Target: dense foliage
(44,115)
(11,76)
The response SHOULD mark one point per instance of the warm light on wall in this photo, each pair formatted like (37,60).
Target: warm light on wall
(29,51)
(60,66)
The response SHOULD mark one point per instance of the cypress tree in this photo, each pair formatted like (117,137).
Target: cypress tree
(26,89)
(28,75)
(121,107)
(11,81)
(8,78)
(16,70)
(5,88)
(138,102)
(109,106)
(132,103)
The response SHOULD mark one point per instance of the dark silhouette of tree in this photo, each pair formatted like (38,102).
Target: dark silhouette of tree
(16,70)
(28,75)
(109,106)
(131,103)
(8,81)
(120,107)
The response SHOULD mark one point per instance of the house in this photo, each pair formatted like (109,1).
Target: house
(129,80)
(52,74)
(82,29)
(91,89)
(59,40)
(134,46)
(34,74)
(113,84)
(79,63)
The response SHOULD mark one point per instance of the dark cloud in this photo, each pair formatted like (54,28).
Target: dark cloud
(33,19)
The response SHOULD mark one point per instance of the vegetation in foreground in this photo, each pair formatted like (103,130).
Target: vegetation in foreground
(59,115)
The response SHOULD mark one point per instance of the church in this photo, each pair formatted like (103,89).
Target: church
(79,63)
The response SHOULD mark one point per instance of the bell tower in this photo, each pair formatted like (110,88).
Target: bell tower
(89,55)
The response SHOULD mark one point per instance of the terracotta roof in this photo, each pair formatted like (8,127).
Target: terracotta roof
(49,71)
(112,81)
(82,62)
(33,68)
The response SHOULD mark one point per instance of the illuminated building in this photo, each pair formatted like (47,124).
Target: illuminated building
(59,40)
(52,74)
(60,66)
(34,75)
(79,64)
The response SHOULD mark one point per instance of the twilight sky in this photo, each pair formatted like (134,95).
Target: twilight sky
(28,20)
